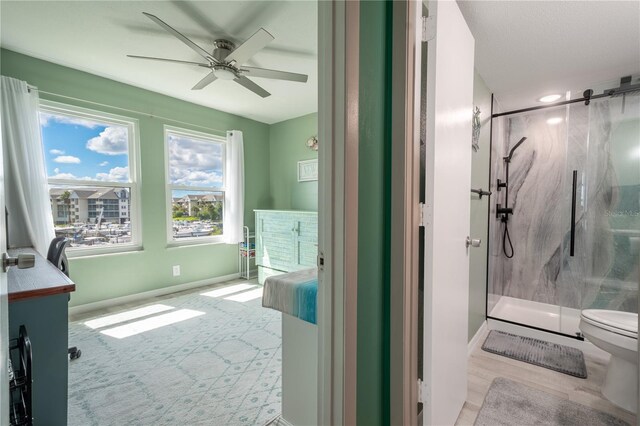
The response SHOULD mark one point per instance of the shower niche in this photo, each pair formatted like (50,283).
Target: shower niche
(572,223)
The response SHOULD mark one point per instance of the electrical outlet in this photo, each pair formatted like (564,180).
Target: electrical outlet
(176,270)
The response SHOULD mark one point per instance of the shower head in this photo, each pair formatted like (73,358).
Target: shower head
(508,159)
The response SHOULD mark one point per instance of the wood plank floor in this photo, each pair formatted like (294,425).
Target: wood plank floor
(485,366)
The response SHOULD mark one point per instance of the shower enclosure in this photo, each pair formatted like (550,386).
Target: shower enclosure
(574,191)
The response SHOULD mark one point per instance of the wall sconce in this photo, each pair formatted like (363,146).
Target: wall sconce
(312,143)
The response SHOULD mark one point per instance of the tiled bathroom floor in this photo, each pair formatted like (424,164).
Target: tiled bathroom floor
(485,366)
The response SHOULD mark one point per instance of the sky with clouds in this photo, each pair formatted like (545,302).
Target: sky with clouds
(76,148)
(195,162)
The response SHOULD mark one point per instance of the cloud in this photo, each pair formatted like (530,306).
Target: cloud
(69,176)
(117,174)
(46,118)
(56,152)
(195,163)
(104,163)
(111,141)
(67,159)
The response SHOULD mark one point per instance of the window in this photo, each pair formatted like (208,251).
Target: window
(195,185)
(91,164)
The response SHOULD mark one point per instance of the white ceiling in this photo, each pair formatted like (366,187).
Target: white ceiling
(526,49)
(95,36)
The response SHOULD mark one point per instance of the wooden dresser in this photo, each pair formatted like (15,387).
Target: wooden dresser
(286,241)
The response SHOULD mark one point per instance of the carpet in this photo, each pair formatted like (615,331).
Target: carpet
(189,360)
(510,403)
(556,357)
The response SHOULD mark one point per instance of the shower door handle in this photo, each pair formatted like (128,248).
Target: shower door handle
(572,244)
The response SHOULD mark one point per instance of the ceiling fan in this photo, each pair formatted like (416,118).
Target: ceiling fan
(225,62)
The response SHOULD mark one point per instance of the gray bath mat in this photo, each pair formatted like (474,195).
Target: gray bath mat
(538,352)
(510,403)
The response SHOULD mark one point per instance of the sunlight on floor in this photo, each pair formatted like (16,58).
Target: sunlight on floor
(246,296)
(127,316)
(228,290)
(152,323)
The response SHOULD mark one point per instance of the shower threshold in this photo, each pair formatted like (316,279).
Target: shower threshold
(542,316)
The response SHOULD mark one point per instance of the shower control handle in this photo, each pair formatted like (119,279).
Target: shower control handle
(473,242)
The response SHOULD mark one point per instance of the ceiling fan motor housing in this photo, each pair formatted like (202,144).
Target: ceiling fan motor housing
(222,49)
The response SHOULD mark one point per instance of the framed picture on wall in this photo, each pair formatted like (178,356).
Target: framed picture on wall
(307,170)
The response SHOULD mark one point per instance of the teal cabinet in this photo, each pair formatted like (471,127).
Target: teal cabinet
(286,240)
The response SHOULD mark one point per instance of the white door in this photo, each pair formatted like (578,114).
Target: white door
(4,311)
(449,107)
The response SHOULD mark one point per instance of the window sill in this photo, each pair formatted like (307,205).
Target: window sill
(191,242)
(82,253)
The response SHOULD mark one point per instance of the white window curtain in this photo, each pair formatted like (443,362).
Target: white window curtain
(233,220)
(26,189)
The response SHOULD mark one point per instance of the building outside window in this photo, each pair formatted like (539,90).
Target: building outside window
(195,185)
(93,185)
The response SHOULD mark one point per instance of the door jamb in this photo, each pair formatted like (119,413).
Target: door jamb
(405,212)
(338,63)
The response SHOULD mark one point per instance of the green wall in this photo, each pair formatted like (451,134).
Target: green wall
(286,147)
(107,276)
(479,209)
(374,213)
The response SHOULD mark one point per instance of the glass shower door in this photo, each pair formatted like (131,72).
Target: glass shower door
(600,257)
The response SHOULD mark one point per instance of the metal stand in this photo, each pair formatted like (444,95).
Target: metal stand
(247,251)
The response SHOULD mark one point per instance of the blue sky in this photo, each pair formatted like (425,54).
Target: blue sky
(77,148)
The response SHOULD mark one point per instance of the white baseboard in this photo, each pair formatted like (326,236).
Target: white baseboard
(88,307)
(475,340)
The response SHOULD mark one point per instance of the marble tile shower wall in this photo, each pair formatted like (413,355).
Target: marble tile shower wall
(604,271)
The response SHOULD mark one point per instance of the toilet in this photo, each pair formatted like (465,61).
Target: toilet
(617,333)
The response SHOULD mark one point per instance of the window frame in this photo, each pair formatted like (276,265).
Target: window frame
(169,187)
(134,184)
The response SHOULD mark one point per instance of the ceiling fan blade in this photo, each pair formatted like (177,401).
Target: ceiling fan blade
(244,81)
(275,74)
(207,80)
(168,60)
(199,50)
(253,45)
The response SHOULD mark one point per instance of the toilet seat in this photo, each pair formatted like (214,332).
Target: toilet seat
(623,323)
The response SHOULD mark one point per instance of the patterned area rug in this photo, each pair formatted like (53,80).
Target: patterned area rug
(190,360)
(549,355)
(509,403)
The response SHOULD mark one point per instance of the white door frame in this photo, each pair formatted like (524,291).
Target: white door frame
(338,70)
(4,305)
(405,212)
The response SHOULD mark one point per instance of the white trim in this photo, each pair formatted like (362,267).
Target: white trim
(135,177)
(477,338)
(169,187)
(88,307)
(405,198)
(338,62)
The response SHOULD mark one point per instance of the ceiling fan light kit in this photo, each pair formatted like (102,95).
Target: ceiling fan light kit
(225,62)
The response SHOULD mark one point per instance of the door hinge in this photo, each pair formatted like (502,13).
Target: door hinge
(421,206)
(422,392)
(428,28)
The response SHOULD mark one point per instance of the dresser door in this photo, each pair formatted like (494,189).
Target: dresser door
(306,241)
(275,241)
